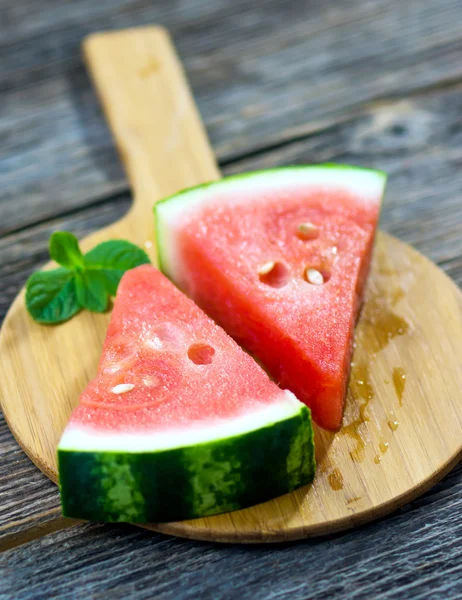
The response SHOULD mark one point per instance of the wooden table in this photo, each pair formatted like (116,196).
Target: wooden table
(372,82)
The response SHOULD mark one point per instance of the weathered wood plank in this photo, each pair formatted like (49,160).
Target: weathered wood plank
(261,72)
(29,502)
(417,141)
(122,562)
(22,497)
(48,39)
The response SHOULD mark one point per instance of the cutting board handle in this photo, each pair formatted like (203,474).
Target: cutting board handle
(151,112)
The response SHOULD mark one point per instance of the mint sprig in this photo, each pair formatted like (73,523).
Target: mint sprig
(82,281)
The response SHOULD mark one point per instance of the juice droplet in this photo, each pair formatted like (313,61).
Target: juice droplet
(383,446)
(385,325)
(399,381)
(377,327)
(362,389)
(336,480)
(393,424)
(357,454)
(379,324)
(361,393)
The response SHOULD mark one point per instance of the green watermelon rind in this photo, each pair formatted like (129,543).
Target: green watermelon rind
(184,197)
(188,482)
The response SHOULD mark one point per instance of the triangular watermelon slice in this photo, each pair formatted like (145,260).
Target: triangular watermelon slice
(279,258)
(179,422)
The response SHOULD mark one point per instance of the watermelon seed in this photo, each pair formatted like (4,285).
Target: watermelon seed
(275,274)
(201,354)
(314,276)
(307,231)
(266,268)
(122,388)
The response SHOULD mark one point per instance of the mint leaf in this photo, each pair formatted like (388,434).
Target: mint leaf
(112,259)
(83,281)
(64,249)
(91,291)
(51,296)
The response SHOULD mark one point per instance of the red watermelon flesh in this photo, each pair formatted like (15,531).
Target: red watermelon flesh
(155,338)
(250,251)
(179,422)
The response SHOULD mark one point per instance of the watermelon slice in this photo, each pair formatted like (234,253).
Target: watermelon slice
(179,422)
(279,258)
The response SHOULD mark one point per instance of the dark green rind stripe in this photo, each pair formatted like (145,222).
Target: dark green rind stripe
(190,482)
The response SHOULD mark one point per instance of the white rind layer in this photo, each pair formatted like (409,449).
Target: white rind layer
(84,438)
(365,185)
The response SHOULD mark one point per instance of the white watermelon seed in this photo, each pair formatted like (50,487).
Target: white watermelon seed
(314,276)
(274,274)
(266,268)
(122,388)
(307,231)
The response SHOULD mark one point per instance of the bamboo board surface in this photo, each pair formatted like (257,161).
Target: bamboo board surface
(403,421)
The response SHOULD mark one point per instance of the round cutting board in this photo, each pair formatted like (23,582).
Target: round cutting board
(403,422)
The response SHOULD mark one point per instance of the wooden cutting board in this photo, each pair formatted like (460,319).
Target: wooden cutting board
(403,421)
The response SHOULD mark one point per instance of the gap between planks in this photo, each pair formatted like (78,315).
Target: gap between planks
(296,136)
(58,523)
(14,540)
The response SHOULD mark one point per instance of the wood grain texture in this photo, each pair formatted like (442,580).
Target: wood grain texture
(31,503)
(418,141)
(413,555)
(262,72)
(425,215)
(396,440)
(346,492)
